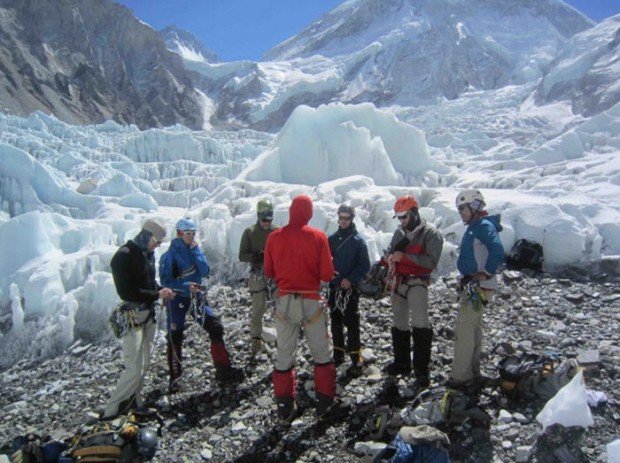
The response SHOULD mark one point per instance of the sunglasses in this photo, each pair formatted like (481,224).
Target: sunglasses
(189,232)
(267,219)
(462,207)
(344,218)
(403,217)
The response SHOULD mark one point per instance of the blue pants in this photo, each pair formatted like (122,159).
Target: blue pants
(177,310)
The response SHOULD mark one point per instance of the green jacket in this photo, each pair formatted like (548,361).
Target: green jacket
(252,244)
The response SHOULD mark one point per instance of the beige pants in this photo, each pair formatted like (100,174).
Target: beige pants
(468,342)
(291,313)
(137,356)
(413,310)
(258,292)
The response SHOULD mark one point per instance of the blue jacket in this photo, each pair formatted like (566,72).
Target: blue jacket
(351,259)
(481,248)
(180,265)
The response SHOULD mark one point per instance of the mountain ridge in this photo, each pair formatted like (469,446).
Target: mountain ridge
(89,61)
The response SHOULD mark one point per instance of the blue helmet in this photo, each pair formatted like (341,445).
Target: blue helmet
(186,224)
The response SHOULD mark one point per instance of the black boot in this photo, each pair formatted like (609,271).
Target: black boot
(422,340)
(401,343)
(338,355)
(287,410)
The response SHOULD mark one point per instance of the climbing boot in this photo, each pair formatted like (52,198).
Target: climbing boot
(422,340)
(356,370)
(329,409)
(401,343)
(284,391)
(286,410)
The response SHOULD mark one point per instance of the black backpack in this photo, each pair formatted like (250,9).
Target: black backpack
(529,376)
(374,285)
(525,254)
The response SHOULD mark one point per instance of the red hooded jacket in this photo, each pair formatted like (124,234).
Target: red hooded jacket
(297,256)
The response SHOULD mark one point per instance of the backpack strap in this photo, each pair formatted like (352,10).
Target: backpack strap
(97,453)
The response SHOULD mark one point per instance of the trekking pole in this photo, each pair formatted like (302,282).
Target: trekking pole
(542,240)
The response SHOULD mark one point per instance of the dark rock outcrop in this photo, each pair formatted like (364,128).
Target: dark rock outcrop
(87,61)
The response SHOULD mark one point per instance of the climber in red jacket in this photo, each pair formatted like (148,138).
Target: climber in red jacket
(297,256)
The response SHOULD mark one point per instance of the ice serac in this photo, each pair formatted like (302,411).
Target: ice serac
(587,72)
(87,61)
(335,141)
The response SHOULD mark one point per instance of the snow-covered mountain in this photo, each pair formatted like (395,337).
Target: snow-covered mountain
(587,71)
(187,45)
(87,61)
(404,52)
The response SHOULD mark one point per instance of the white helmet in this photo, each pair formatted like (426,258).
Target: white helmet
(472,197)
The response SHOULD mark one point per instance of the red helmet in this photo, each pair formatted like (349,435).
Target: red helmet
(405,204)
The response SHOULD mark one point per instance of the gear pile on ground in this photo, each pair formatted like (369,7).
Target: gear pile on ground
(208,421)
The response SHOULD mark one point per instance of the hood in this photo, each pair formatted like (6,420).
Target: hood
(495,220)
(300,211)
(142,239)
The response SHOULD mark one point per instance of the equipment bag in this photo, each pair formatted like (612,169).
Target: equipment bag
(400,451)
(525,254)
(375,284)
(529,376)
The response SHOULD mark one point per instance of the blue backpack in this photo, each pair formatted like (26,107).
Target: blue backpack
(401,452)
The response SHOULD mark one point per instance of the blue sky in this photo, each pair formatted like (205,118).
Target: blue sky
(245,29)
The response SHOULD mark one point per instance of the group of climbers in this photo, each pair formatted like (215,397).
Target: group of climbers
(298,258)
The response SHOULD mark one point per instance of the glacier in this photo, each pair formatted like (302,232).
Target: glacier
(57,242)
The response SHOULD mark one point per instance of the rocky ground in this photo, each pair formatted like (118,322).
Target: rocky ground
(209,422)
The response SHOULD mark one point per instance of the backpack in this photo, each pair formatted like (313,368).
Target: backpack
(374,285)
(525,254)
(529,376)
(400,451)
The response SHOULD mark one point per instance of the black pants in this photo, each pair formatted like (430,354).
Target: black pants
(349,318)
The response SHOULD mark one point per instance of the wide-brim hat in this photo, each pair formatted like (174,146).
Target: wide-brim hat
(158,232)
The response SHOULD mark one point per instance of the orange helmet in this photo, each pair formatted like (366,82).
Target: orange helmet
(405,204)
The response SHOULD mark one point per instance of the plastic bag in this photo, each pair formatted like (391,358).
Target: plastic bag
(569,407)
(613,451)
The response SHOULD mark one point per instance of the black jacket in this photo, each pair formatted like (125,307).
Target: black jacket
(133,270)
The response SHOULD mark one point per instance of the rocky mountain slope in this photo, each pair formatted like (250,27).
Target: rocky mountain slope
(88,61)
(208,422)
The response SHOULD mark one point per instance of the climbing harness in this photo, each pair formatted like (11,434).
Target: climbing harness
(341,298)
(124,317)
(411,281)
